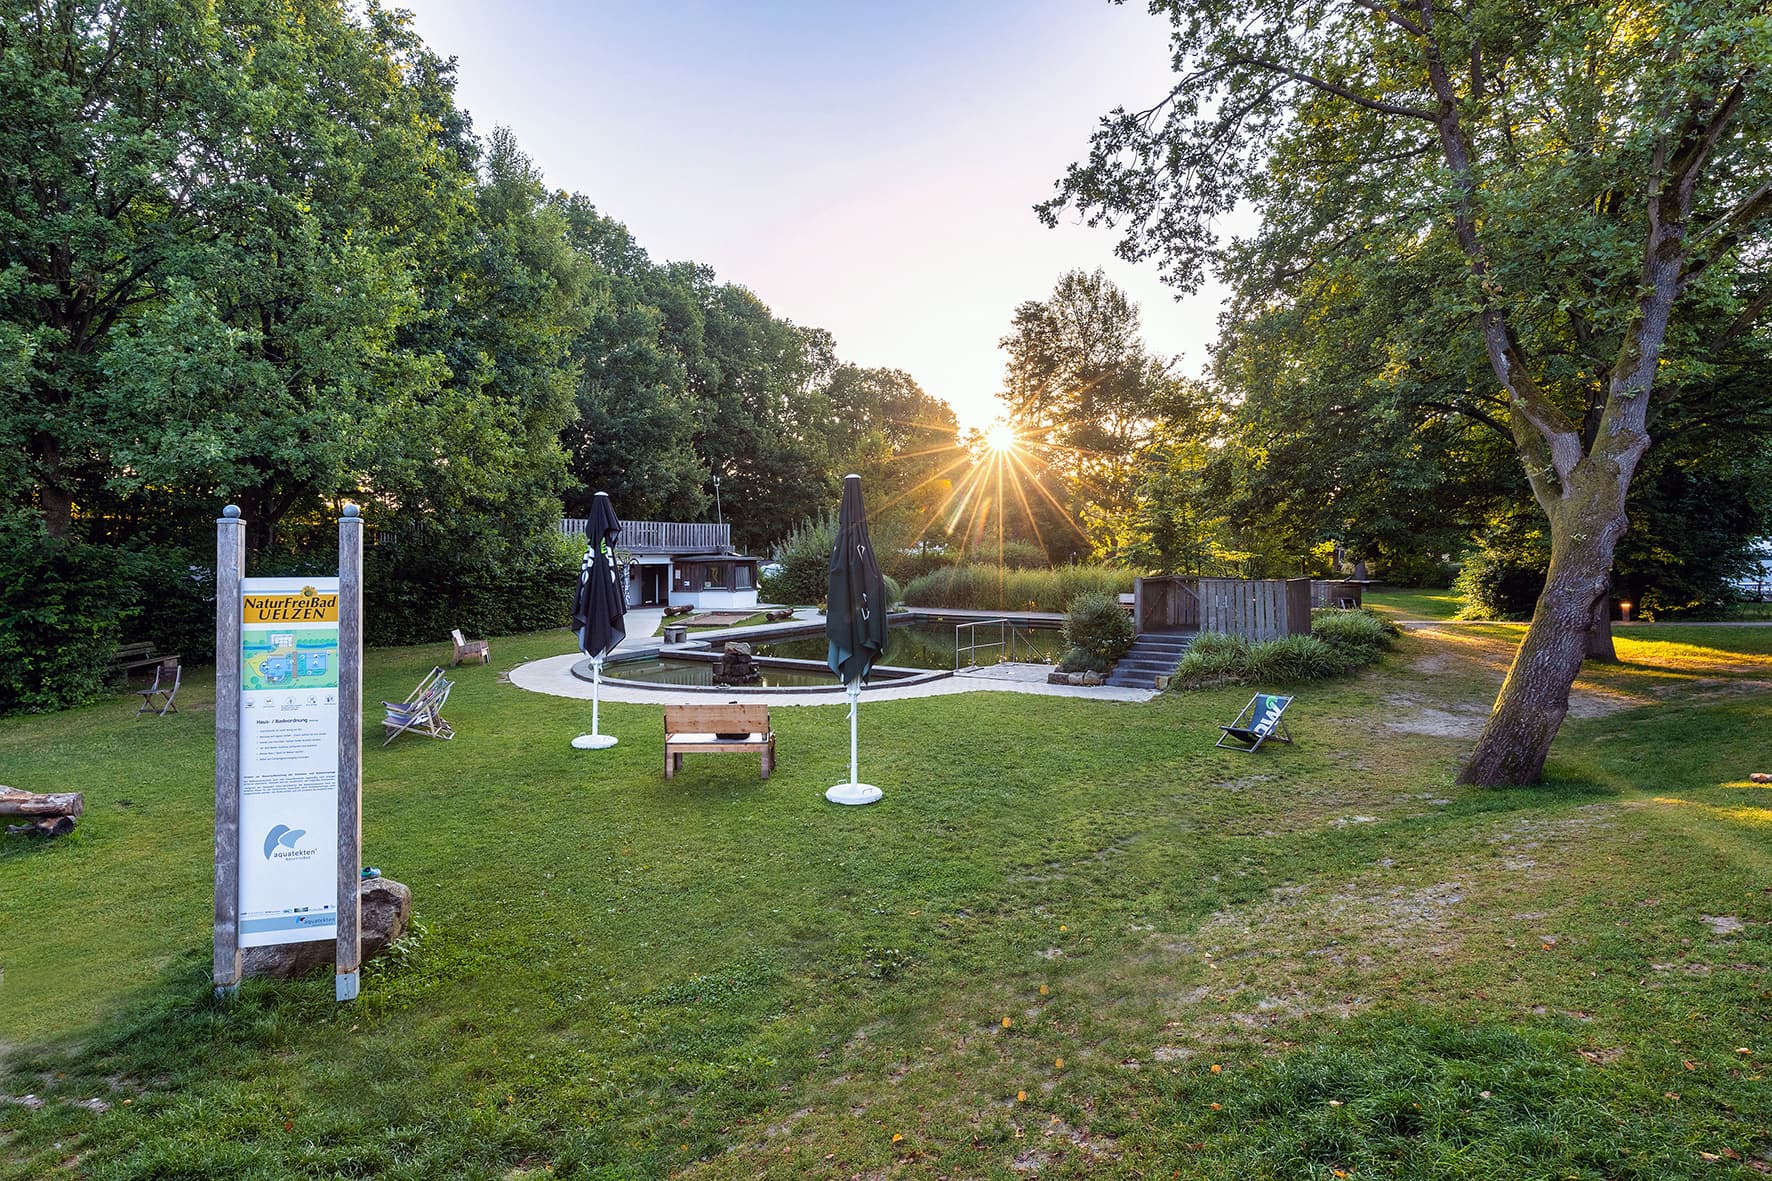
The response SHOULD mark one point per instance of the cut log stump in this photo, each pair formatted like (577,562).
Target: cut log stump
(42,826)
(49,815)
(14,802)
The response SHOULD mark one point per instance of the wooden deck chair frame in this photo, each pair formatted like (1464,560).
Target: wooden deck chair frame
(1258,722)
(422,711)
(166,668)
(466,649)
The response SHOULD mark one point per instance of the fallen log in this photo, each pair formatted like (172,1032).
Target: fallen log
(42,826)
(14,802)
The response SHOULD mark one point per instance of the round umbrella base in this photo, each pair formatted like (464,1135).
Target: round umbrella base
(854,793)
(594,741)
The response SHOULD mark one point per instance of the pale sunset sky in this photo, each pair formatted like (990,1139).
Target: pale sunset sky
(864,168)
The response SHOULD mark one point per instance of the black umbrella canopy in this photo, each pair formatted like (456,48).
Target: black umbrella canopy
(599,605)
(855,611)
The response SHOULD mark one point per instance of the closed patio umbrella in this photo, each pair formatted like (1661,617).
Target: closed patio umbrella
(598,607)
(855,623)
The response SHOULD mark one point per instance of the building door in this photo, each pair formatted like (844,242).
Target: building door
(654,585)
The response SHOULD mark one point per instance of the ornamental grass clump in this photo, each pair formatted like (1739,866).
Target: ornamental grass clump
(1001,588)
(1340,641)
(1358,636)
(1214,658)
(1291,659)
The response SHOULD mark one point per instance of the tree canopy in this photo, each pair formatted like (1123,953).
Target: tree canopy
(1578,192)
(255,253)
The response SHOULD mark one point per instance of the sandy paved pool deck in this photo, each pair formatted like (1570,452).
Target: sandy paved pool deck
(553,674)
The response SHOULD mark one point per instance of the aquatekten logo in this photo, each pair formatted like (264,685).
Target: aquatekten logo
(280,843)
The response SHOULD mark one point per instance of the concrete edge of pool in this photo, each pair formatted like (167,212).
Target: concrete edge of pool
(890,677)
(553,676)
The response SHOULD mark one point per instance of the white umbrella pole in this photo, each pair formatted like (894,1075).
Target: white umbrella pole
(594,740)
(853,792)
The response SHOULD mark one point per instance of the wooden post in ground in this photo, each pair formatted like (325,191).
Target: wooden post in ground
(350,753)
(230,568)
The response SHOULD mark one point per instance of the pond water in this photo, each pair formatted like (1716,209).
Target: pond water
(926,644)
(666,671)
(930,644)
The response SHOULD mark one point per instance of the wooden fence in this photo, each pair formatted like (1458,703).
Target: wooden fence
(1259,609)
(1337,594)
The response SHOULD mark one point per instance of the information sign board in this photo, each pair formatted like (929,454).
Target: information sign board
(289,706)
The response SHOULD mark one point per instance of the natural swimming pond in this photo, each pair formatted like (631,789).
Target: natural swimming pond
(924,644)
(700,673)
(930,644)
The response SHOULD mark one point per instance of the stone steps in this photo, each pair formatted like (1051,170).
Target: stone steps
(1153,657)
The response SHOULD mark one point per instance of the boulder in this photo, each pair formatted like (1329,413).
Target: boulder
(387,911)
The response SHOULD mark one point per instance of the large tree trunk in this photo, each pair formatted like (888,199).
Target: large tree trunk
(1534,698)
(1599,632)
(54,501)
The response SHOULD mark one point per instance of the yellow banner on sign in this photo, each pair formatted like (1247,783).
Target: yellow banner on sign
(310,606)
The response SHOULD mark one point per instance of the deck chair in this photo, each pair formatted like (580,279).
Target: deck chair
(422,711)
(466,649)
(1258,723)
(157,698)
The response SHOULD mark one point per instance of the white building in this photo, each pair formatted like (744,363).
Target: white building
(678,563)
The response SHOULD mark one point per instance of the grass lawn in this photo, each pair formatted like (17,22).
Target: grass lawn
(1074,940)
(1400,602)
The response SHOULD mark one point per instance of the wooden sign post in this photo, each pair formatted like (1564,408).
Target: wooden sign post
(288,763)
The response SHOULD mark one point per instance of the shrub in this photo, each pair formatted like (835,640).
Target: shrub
(414,592)
(1497,586)
(1023,555)
(64,604)
(1081,660)
(1099,626)
(909,565)
(997,588)
(805,556)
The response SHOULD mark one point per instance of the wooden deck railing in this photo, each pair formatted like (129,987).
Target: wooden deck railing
(677,537)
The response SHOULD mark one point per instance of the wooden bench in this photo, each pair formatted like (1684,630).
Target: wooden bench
(129,657)
(717,729)
(466,649)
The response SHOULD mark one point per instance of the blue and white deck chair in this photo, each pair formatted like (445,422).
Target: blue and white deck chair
(1258,723)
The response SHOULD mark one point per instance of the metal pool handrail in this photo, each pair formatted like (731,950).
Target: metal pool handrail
(1006,636)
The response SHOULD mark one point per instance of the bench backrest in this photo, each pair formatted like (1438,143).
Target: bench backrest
(716,719)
